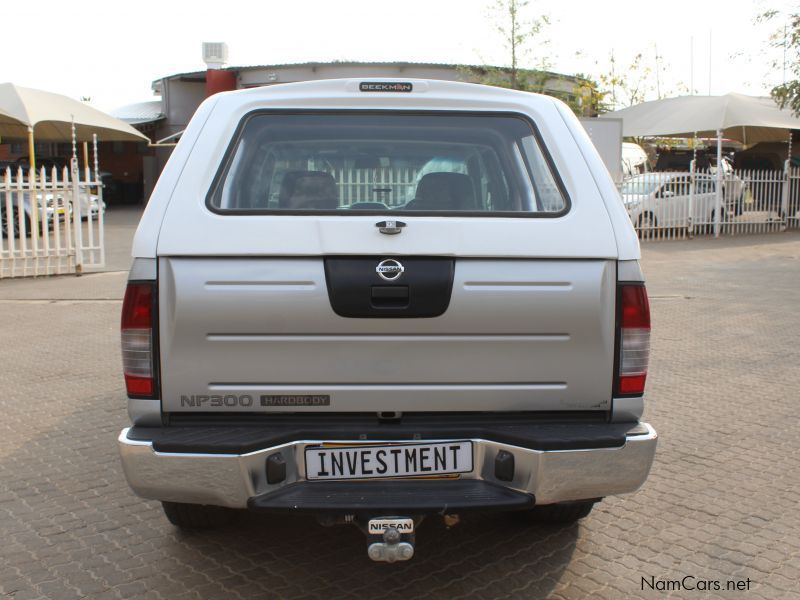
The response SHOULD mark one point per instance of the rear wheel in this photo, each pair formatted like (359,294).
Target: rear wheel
(710,226)
(14,225)
(562,513)
(647,225)
(198,516)
(4,223)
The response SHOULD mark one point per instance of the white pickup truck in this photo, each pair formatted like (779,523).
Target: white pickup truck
(375,301)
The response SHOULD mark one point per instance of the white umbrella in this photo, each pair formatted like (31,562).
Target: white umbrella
(26,111)
(748,119)
(51,116)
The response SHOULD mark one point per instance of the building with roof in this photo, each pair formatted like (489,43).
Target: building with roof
(164,120)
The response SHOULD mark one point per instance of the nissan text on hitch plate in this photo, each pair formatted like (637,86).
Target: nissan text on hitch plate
(379,301)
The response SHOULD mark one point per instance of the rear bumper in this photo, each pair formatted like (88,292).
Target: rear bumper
(239,480)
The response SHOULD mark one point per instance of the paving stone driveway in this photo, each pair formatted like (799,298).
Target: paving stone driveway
(721,502)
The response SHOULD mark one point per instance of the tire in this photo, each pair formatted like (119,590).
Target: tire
(710,229)
(738,205)
(198,516)
(647,224)
(4,224)
(15,224)
(564,513)
(14,229)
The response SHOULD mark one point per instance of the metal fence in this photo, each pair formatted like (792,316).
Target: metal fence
(677,205)
(662,205)
(393,186)
(52,222)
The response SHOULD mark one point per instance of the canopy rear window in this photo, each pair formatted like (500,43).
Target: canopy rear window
(404,163)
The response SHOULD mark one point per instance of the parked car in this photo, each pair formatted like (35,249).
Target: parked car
(662,200)
(91,205)
(482,348)
(55,206)
(734,188)
(634,160)
(52,209)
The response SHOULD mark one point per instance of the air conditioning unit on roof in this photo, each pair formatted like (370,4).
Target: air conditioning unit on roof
(215,54)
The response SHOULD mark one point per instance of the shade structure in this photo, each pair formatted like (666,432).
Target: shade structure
(747,119)
(51,116)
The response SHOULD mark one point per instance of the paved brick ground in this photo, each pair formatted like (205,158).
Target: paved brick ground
(721,502)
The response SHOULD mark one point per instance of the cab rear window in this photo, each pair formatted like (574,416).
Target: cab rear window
(403,163)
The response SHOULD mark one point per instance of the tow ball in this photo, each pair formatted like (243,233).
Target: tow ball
(390,539)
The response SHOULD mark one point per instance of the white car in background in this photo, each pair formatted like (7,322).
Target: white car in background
(91,204)
(634,160)
(51,208)
(662,200)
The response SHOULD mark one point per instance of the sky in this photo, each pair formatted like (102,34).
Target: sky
(111,51)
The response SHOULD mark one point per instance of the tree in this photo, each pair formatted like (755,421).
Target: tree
(519,33)
(637,81)
(629,85)
(786,39)
(523,40)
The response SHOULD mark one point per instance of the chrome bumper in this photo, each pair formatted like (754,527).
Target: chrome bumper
(231,479)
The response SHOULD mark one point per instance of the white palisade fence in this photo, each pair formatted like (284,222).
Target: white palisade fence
(679,205)
(395,186)
(52,223)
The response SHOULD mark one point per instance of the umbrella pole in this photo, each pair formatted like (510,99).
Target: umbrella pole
(31,151)
(787,180)
(692,168)
(86,156)
(77,220)
(34,197)
(718,202)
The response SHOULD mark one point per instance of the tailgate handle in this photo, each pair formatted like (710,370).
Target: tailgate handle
(390,296)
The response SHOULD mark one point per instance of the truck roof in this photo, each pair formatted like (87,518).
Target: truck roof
(417,93)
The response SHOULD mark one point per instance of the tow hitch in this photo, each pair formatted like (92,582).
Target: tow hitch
(390,539)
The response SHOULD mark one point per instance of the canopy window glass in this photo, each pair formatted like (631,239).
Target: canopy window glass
(403,163)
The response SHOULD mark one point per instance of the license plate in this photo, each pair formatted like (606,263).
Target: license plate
(388,460)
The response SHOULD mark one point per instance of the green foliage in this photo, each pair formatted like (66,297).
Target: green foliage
(518,33)
(636,82)
(786,39)
(788,94)
(630,84)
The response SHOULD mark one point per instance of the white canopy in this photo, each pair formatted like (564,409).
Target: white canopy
(51,116)
(748,119)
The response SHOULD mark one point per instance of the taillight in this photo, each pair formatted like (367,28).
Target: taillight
(138,357)
(634,339)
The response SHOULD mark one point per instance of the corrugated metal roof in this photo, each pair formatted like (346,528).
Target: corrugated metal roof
(140,112)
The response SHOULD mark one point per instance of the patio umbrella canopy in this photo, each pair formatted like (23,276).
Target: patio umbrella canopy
(51,116)
(747,119)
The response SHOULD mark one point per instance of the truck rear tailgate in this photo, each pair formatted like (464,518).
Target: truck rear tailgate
(253,334)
